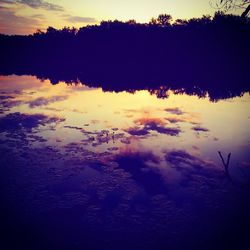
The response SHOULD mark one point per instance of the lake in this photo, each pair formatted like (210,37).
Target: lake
(84,168)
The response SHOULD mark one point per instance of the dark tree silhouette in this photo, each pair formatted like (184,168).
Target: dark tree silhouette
(153,21)
(208,55)
(164,20)
(235,4)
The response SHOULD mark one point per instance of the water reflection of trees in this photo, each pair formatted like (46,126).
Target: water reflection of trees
(198,56)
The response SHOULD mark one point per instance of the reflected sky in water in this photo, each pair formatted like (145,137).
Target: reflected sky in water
(121,161)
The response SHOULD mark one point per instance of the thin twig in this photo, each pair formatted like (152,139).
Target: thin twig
(226,165)
(222,159)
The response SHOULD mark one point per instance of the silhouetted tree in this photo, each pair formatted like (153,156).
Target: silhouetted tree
(180,22)
(200,22)
(131,22)
(234,4)
(139,55)
(51,30)
(164,20)
(69,31)
(153,21)
(39,32)
(106,24)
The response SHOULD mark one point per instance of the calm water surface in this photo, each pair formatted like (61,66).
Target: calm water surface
(87,169)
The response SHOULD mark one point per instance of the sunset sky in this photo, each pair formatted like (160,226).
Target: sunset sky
(26,16)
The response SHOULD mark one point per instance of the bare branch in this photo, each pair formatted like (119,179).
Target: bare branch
(227,5)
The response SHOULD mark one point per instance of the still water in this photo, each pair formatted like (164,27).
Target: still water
(81,167)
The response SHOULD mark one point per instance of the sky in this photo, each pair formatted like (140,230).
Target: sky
(26,16)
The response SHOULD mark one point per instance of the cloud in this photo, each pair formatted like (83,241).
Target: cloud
(136,131)
(139,166)
(38,16)
(7,1)
(10,23)
(35,4)
(42,4)
(175,111)
(196,171)
(163,130)
(180,159)
(200,129)
(175,119)
(9,103)
(152,124)
(42,101)
(79,19)
(17,121)
(145,121)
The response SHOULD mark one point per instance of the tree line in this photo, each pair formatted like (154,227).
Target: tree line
(207,52)
(163,21)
